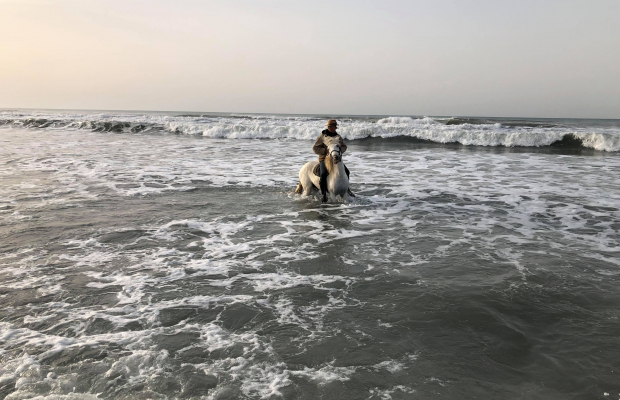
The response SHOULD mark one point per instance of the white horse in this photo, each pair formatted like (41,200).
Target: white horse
(337,180)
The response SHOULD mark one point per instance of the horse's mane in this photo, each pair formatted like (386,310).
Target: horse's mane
(330,140)
(329,163)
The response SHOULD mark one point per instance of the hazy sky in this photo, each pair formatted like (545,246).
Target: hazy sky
(542,58)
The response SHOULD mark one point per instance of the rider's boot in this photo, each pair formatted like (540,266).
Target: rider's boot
(323,184)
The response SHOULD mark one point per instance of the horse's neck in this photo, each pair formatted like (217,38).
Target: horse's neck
(339,168)
(334,169)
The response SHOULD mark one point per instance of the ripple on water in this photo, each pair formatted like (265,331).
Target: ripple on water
(198,273)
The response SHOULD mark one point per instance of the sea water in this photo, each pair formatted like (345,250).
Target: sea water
(165,255)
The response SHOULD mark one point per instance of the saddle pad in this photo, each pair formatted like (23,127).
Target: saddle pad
(317,170)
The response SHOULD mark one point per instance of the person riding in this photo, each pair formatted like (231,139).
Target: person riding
(320,148)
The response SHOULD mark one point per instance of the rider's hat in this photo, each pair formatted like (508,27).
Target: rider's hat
(331,122)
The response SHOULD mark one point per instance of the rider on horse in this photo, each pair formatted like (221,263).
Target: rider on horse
(320,148)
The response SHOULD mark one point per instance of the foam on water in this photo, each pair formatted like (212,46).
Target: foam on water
(261,291)
(134,283)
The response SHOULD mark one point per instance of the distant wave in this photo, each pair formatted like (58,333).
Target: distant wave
(467,131)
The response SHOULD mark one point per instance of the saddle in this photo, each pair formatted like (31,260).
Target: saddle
(317,170)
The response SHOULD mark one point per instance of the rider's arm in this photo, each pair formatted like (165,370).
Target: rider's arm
(319,147)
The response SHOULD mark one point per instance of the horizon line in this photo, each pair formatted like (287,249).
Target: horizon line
(300,114)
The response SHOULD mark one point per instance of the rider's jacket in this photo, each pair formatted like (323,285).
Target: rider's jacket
(320,147)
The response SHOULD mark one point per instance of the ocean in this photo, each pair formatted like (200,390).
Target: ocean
(154,255)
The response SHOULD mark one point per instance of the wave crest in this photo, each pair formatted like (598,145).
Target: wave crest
(466,131)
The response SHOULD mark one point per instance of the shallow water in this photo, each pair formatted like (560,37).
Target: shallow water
(165,266)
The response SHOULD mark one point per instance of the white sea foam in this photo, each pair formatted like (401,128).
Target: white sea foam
(386,394)
(416,209)
(326,374)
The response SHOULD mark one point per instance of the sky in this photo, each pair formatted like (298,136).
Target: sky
(542,58)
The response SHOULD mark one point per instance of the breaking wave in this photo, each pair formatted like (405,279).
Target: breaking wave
(466,131)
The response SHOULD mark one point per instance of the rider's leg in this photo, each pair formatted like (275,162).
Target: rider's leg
(323,181)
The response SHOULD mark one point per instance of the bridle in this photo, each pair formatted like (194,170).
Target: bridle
(336,150)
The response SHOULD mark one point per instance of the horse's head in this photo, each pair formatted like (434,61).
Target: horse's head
(334,152)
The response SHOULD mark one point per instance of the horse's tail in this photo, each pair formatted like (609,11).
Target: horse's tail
(299,189)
